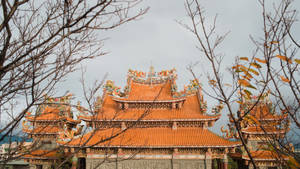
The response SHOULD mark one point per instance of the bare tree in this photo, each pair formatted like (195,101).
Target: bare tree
(273,68)
(43,41)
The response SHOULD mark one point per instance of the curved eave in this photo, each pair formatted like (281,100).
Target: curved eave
(275,132)
(41,133)
(271,119)
(151,120)
(262,159)
(105,146)
(41,158)
(267,132)
(36,119)
(124,100)
(30,131)
(42,120)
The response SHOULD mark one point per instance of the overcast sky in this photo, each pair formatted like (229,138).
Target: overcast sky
(159,40)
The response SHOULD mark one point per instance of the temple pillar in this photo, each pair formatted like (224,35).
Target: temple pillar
(179,105)
(123,125)
(74,162)
(120,152)
(225,162)
(93,124)
(126,105)
(175,152)
(32,166)
(208,159)
(250,166)
(205,125)
(46,166)
(120,105)
(173,105)
(174,126)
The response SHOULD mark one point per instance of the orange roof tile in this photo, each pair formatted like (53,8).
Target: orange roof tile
(42,154)
(152,137)
(149,92)
(190,110)
(49,113)
(262,111)
(265,155)
(43,130)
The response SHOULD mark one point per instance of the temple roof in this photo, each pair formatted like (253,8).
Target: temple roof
(149,92)
(263,110)
(152,138)
(48,114)
(42,154)
(43,130)
(190,110)
(51,114)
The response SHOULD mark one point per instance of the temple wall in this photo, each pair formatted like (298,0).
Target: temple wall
(149,164)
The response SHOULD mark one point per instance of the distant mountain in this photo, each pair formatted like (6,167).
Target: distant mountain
(8,139)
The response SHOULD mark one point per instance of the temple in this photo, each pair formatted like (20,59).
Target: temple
(150,125)
(262,129)
(53,119)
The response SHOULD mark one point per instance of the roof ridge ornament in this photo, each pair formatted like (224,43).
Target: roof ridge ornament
(152,77)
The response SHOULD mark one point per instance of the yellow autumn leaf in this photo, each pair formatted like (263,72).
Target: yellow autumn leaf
(248,93)
(250,86)
(244,58)
(244,70)
(297,61)
(249,75)
(284,79)
(256,65)
(253,71)
(260,60)
(284,58)
(246,77)
(254,120)
(212,82)
(239,102)
(243,82)
(228,85)
(274,42)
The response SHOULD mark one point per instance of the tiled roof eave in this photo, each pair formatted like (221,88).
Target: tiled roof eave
(160,120)
(271,119)
(148,101)
(40,157)
(267,132)
(205,146)
(263,159)
(30,131)
(42,133)
(43,120)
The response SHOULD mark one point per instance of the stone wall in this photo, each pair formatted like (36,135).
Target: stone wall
(148,164)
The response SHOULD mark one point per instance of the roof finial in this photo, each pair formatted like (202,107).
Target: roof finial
(151,73)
